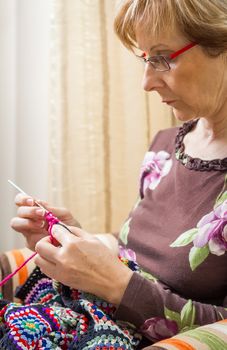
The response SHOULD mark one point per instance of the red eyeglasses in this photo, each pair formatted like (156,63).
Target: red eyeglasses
(162,63)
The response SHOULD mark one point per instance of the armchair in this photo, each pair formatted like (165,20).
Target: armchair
(9,261)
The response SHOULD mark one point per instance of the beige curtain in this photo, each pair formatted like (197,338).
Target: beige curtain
(101,122)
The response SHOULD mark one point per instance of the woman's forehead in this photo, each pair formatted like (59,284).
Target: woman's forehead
(165,39)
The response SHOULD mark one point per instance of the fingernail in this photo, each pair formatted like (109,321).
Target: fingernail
(30,201)
(40,212)
(42,224)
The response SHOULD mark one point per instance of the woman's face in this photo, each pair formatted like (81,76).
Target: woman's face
(196,84)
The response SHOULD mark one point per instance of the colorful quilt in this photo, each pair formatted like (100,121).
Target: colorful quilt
(53,316)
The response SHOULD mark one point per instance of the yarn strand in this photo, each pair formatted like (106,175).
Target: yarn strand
(15,272)
(51,220)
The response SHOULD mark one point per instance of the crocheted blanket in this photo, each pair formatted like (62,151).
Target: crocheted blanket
(54,316)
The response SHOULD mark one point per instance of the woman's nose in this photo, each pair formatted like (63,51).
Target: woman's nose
(151,78)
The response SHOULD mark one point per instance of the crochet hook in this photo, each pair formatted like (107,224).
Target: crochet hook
(50,218)
(20,190)
(47,213)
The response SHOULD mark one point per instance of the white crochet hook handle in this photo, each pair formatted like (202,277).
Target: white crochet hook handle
(20,190)
(37,203)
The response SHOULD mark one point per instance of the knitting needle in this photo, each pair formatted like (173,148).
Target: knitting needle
(20,190)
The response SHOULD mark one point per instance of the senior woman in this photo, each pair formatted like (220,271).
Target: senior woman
(177,231)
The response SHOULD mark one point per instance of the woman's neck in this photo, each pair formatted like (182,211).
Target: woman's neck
(213,127)
(212,130)
(208,139)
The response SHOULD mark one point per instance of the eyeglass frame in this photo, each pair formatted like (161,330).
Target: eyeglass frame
(166,59)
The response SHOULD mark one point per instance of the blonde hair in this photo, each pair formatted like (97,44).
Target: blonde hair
(200,21)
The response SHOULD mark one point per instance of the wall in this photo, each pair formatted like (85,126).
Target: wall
(24,104)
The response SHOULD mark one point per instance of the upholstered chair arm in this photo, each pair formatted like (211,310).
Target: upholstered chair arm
(9,261)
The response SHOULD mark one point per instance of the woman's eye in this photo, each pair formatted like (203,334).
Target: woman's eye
(167,58)
(155,59)
(165,54)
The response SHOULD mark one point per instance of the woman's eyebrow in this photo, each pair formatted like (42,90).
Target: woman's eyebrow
(158,46)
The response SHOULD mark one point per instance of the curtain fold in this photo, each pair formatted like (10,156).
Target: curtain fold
(101,121)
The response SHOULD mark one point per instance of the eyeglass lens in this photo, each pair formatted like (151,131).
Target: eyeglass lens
(159,63)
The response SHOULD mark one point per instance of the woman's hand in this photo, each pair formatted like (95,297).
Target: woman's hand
(83,262)
(30,219)
(109,240)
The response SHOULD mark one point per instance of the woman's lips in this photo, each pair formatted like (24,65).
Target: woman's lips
(168,102)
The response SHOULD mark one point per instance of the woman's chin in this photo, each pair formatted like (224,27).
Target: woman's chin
(182,116)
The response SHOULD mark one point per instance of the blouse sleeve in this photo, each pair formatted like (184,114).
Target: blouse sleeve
(148,305)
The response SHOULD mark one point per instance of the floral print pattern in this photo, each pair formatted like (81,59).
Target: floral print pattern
(212,230)
(158,328)
(127,253)
(125,231)
(209,236)
(154,167)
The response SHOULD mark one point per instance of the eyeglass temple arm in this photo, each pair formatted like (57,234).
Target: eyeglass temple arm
(179,52)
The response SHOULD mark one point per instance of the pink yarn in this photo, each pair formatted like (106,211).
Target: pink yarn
(18,269)
(51,220)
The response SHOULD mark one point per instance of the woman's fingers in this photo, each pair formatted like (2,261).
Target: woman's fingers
(78,232)
(29,218)
(31,240)
(27,225)
(61,234)
(61,213)
(22,199)
(31,221)
(25,200)
(46,250)
(27,207)
(46,266)
(34,213)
